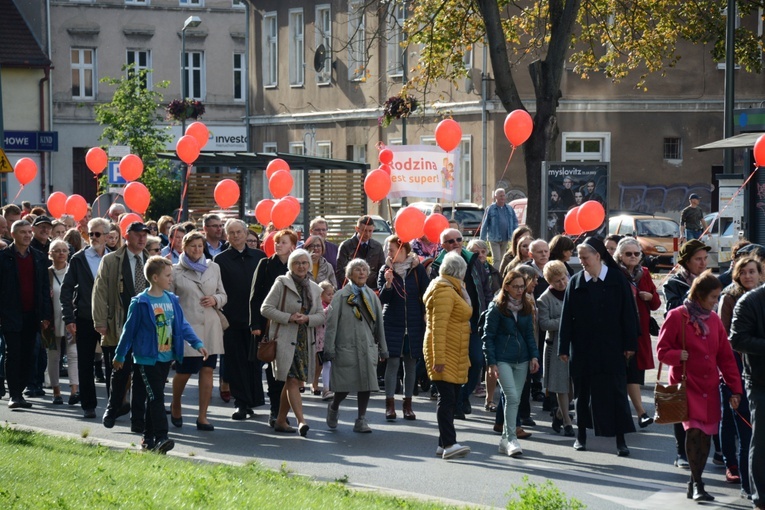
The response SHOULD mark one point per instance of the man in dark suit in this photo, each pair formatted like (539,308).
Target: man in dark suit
(361,246)
(213,230)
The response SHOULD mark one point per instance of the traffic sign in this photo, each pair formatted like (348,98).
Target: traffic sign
(5,165)
(114,173)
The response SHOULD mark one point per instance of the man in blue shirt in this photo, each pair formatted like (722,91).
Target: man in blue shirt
(499,222)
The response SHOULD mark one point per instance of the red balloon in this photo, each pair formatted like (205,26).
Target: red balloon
(448,134)
(434,225)
(284,213)
(385,168)
(591,215)
(137,197)
(96,159)
(268,243)
(127,220)
(571,224)
(385,157)
(131,167)
(226,193)
(409,224)
(56,204)
(187,149)
(77,207)
(518,127)
(377,185)
(280,183)
(263,211)
(25,171)
(200,133)
(275,165)
(759,151)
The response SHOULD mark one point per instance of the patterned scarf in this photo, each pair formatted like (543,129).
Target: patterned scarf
(303,286)
(698,317)
(186,262)
(635,275)
(686,275)
(514,305)
(358,298)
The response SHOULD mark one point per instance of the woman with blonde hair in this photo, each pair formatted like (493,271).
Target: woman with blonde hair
(519,249)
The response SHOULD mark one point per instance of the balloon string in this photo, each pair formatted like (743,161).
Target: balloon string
(706,230)
(185,188)
(17,194)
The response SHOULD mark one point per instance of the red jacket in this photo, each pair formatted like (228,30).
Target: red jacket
(645,349)
(705,357)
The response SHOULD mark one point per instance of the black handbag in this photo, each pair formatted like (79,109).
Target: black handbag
(653,326)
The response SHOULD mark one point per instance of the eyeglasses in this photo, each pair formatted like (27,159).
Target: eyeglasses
(59,251)
(95,234)
(631,253)
(317,229)
(301,263)
(453,241)
(155,250)
(313,247)
(516,287)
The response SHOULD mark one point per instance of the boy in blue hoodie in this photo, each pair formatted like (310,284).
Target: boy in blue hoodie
(156,329)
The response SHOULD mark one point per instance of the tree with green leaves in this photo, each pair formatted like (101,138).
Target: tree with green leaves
(133,118)
(598,36)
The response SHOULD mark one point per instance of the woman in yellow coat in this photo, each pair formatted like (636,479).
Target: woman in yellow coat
(447,338)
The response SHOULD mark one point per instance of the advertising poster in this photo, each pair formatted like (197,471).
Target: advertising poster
(424,171)
(566,185)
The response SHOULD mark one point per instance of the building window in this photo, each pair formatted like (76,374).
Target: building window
(270,50)
(323,27)
(136,2)
(194,3)
(239,4)
(297,48)
(297,176)
(395,38)
(357,41)
(195,74)
(269,147)
(324,149)
(586,147)
(239,81)
(467,59)
(83,73)
(673,149)
(141,61)
(357,153)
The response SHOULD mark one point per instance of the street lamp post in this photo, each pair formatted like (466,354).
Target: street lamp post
(193,22)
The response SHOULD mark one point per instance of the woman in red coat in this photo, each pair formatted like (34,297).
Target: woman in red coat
(706,350)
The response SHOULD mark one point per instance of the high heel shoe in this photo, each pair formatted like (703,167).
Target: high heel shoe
(177,422)
(206,427)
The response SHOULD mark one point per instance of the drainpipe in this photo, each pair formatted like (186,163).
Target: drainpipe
(43,158)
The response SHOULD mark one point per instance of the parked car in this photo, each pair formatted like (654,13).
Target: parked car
(720,243)
(343,226)
(468,215)
(656,235)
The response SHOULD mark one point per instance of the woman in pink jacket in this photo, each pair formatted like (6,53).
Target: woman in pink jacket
(706,350)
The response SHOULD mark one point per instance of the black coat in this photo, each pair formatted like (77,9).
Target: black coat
(77,290)
(10,289)
(265,275)
(598,324)
(747,335)
(236,272)
(403,310)
(675,291)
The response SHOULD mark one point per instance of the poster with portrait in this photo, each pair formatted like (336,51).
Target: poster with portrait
(568,184)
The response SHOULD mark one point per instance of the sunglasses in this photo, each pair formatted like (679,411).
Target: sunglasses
(95,234)
(155,250)
(631,253)
(453,241)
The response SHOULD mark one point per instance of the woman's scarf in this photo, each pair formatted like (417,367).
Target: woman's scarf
(401,268)
(514,305)
(186,262)
(686,275)
(359,298)
(633,276)
(698,317)
(304,288)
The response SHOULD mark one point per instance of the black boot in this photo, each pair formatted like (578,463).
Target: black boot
(689,494)
(699,494)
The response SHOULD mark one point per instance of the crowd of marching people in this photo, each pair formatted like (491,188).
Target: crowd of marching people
(129,307)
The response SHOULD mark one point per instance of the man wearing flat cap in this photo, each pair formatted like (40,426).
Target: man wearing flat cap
(120,277)
(692,222)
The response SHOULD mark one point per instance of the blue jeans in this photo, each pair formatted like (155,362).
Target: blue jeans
(512,376)
(692,234)
(757,446)
(475,352)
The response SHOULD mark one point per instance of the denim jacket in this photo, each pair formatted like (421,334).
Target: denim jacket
(490,228)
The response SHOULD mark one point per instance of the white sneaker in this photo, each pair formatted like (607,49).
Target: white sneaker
(440,451)
(503,445)
(455,451)
(514,448)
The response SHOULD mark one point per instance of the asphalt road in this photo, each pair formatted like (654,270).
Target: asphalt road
(399,457)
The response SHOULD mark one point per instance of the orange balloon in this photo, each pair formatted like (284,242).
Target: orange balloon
(448,134)
(518,127)
(200,133)
(385,168)
(591,215)
(385,157)
(570,224)
(187,149)
(137,197)
(377,185)
(268,243)
(96,159)
(263,211)
(434,225)
(280,183)
(25,171)
(409,224)
(275,165)
(56,204)
(77,207)
(284,213)
(226,193)
(131,167)
(127,220)
(759,151)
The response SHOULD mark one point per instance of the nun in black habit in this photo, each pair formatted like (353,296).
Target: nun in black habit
(598,333)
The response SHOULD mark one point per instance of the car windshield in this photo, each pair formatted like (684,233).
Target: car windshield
(381,226)
(657,228)
(465,217)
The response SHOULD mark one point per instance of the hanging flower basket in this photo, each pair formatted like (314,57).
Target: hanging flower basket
(397,107)
(183,109)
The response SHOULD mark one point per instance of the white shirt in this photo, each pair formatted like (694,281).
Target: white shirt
(132,260)
(601,276)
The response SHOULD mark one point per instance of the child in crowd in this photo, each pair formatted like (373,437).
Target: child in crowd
(156,329)
(328,291)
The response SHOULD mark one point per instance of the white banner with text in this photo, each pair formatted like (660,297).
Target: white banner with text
(424,171)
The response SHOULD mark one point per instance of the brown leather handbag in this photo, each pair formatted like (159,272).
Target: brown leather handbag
(670,401)
(267,345)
